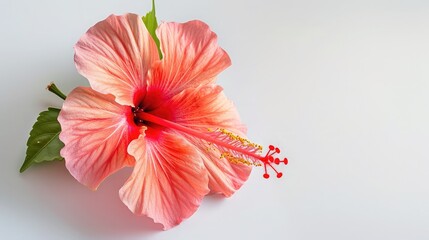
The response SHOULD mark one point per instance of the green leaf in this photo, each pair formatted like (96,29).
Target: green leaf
(44,143)
(151,24)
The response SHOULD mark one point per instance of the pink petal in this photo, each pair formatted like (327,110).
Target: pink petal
(203,108)
(96,132)
(191,57)
(224,177)
(115,55)
(168,182)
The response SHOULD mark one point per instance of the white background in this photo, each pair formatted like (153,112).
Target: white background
(341,86)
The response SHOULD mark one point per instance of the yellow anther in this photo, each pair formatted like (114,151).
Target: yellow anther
(236,137)
(237,160)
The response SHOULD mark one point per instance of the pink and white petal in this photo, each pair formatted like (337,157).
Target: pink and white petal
(115,55)
(191,57)
(203,108)
(224,177)
(96,132)
(168,182)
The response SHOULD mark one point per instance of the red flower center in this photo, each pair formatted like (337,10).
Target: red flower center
(153,102)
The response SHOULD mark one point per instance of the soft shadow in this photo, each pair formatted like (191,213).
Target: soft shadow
(97,213)
(215,197)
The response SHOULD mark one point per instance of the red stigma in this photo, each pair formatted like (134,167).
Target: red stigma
(269,160)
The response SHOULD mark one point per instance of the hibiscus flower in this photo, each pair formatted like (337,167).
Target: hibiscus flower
(165,117)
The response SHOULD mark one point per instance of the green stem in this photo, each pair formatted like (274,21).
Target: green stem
(54,89)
